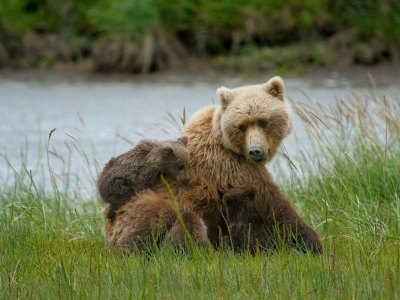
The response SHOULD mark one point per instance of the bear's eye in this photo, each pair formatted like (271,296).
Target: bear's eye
(242,128)
(180,167)
(262,123)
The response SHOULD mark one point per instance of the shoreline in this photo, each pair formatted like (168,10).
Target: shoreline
(382,74)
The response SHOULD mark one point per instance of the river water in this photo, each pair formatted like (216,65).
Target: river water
(94,121)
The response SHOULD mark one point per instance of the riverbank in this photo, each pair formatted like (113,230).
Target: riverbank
(205,71)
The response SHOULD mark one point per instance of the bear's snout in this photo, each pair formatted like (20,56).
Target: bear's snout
(183,178)
(256,153)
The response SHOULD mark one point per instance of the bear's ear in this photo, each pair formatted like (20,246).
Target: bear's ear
(166,152)
(183,140)
(275,87)
(225,96)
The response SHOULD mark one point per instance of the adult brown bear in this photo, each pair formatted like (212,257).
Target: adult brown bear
(229,146)
(230,188)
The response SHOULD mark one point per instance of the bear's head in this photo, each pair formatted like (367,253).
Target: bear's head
(175,159)
(253,120)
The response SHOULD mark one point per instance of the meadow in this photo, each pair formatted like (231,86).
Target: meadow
(345,183)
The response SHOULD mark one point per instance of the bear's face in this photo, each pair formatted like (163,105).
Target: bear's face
(253,120)
(175,160)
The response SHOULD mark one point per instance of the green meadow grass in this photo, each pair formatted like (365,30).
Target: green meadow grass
(346,185)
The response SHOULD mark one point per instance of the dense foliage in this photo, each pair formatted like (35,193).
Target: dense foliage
(202,27)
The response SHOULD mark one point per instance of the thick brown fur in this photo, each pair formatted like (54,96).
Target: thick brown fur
(148,219)
(243,223)
(230,188)
(229,145)
(140,168)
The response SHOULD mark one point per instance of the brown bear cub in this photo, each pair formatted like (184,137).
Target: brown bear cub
(246,229)
(148,219)
(140,168)
(240,219)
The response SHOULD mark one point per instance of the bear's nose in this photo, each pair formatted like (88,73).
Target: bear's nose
(256,153)
(187,178)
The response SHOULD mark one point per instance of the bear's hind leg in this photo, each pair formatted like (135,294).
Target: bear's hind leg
(195,228)
(141,222)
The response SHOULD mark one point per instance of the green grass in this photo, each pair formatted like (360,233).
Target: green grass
(346,185)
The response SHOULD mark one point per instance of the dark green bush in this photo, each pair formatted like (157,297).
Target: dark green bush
(205,27)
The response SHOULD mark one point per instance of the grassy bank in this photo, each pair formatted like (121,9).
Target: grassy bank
(346,184)
(142,36)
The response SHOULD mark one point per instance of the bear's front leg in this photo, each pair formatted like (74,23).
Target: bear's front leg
(280,217)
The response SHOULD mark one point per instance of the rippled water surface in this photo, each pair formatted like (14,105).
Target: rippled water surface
(97,120)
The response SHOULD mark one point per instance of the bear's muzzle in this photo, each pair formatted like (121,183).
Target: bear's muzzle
(256,153)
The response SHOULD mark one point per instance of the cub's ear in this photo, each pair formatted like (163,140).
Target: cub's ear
(275,87)
(225,96)
(183,140)
(166,152)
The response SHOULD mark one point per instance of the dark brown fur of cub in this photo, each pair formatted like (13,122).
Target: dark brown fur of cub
(140,168)
(248,231)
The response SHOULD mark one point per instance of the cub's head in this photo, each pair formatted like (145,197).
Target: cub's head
(175,159)
(253,120)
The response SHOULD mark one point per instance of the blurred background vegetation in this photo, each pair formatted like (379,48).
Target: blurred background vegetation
(149,35)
